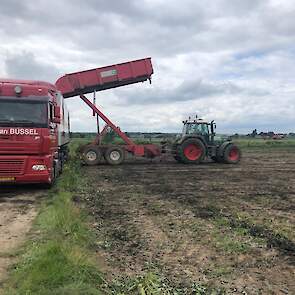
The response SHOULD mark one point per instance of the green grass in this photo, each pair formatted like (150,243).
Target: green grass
(262,143)
(59,259)
(153,284)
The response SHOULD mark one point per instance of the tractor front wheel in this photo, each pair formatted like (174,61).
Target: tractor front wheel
(232,154)
(191,151)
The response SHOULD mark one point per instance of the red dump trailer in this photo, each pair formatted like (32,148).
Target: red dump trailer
(34,132)
(81,83)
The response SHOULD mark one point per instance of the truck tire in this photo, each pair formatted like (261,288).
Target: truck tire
(114,155)
(191,151)
(91,155)
(232,154)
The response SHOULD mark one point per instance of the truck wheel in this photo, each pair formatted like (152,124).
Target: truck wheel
(232,154)
(192,151)
(114,155)
(91,155)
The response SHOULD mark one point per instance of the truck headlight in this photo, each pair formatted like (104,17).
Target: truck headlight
(39,167)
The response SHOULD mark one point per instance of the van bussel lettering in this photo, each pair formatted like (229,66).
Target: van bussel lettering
(18,131)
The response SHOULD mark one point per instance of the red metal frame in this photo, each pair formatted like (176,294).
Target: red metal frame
(100,135)
(149,150)
(80,83)
(126,139)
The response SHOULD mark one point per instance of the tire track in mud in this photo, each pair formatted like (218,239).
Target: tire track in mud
(18,209)
(213,211)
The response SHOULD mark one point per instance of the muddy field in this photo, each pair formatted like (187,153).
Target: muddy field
(231,228)
(18,208)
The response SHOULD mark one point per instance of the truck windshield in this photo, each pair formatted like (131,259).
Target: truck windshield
(23,113)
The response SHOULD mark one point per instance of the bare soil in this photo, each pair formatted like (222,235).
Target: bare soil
(18,208)
(230,227)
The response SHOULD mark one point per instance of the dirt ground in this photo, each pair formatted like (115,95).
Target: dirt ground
(17,211)
(229,227)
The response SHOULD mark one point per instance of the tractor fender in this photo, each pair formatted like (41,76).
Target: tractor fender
(221,149)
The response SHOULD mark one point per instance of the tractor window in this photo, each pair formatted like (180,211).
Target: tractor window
(204,129)
(197,129)
(192,129)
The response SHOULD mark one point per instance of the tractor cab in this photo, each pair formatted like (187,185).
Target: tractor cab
(199,127)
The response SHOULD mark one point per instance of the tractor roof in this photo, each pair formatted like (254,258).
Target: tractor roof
(196,121)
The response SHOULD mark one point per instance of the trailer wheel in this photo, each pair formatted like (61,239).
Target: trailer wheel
(91,155)
(114,155)
(191,151)
(232,154)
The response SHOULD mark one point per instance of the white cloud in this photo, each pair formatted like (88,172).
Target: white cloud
(232,61)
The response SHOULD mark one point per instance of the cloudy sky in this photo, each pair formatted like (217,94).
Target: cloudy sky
(228,60)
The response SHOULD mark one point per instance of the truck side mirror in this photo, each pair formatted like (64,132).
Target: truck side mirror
(56,118)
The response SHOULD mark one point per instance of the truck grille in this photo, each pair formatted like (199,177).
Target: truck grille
(12,167)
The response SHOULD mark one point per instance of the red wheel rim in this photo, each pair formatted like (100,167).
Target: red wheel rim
(234,154)
(192,152)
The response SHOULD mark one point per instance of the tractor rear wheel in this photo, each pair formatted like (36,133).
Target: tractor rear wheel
(114,155)
(232,154)
(191,151)
(91,155)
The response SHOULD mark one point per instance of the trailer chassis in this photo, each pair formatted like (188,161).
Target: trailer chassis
(142,150)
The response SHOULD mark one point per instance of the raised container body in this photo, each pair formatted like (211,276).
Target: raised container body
(103,78)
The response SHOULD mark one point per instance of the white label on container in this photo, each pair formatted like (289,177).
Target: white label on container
(109,73)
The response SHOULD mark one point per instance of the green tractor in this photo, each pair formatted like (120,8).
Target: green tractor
(197,142)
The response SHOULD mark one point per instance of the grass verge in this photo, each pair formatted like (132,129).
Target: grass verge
(59,259)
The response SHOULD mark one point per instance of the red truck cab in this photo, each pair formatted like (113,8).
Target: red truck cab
(34,132)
